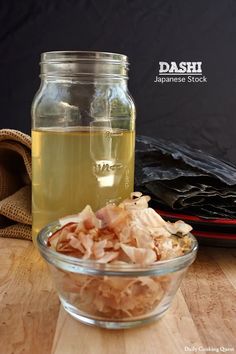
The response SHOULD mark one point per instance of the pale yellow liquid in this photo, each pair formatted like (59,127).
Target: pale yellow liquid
(75,167)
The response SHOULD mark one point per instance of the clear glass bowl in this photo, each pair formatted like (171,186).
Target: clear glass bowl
(114,296)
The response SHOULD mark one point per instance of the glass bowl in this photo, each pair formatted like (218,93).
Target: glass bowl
(114,296)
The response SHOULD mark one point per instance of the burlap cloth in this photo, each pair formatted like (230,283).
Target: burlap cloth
(15,184)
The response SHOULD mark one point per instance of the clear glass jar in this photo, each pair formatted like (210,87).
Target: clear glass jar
(83,134)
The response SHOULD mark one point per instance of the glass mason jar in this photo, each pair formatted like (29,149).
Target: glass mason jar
(83,134)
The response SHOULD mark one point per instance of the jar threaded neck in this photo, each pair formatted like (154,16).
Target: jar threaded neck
(82,63)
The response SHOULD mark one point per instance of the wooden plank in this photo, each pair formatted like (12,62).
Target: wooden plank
(169,335)
(172,333)
(202,314)
(211,300)
(29,305)
(73,337)
(226,259)
(10,251)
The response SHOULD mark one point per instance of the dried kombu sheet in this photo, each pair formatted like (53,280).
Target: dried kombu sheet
(182,178)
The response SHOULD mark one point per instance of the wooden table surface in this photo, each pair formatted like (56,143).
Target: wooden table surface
(202,318)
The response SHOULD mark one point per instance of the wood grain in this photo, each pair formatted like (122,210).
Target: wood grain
(227,264)
(169,334)
(32,322)
(29,304)
(211,299)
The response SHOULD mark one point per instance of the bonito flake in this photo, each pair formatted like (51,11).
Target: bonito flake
(130,233)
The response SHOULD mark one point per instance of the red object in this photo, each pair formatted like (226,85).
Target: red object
(217,235)
(195,218)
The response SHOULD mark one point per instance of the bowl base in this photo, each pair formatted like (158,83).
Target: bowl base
(111,324)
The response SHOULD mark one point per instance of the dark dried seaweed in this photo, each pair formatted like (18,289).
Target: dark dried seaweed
(186,179)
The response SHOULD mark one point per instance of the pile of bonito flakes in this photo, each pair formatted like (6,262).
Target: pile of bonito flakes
(130,233)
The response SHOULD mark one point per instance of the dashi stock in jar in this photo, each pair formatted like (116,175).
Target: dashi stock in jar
(83,135)
(75,167)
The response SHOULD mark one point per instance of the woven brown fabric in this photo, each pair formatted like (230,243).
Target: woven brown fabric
(15,184)
(17,207)
(17,231)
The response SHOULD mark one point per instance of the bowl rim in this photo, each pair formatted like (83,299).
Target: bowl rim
(87,266)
